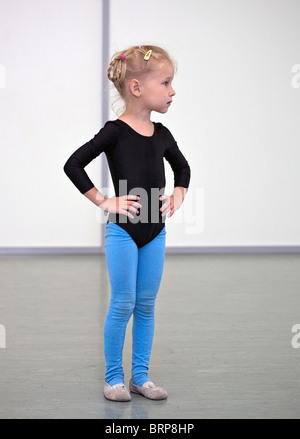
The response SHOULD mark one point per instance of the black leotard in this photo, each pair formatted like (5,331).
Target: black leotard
(136,165)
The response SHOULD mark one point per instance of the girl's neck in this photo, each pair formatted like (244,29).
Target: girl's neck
(139,122)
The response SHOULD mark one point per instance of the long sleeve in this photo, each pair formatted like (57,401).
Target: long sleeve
(178,163)
(105,140)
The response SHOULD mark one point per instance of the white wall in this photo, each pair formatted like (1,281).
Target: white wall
(235,115)
(49,105)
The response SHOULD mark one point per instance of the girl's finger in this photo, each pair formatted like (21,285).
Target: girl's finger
(163,197)
(132,209)
(166,210)
(171,213)
(164,206)
(131,197)
(133,203)
(125,212)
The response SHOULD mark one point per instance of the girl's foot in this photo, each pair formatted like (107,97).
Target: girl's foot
(118,392)
(149,390)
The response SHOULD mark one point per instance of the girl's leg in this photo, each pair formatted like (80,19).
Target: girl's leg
(122,259)
(150,269)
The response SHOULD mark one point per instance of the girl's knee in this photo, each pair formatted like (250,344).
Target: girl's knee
(122,308)
(145,307)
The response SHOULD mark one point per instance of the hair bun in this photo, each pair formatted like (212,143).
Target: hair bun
(114,70)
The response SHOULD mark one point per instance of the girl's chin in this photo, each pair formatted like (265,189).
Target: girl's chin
(162,110)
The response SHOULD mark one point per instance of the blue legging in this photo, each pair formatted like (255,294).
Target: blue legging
(135,275)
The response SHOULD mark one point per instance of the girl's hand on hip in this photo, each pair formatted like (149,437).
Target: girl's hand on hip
(173,202)
(168,205)
(122,205)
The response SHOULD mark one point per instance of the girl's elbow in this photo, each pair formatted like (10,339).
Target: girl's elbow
(66,168)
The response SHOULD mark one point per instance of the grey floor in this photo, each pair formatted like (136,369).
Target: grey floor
(222,346)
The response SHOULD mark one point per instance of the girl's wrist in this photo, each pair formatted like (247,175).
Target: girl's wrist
(179,193)
(102,201)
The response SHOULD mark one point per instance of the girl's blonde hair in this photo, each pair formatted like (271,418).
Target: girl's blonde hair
(134,63)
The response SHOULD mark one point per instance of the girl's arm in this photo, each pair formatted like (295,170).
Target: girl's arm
(182,175)
(106,139)
(95,196)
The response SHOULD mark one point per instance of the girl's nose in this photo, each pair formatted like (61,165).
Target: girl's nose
(172,92)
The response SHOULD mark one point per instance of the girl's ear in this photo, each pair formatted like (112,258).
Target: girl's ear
(135,87)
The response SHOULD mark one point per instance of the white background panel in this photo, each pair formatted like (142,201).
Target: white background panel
(235,115)
(50,105)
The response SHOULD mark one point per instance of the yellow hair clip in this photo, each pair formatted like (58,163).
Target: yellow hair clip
(147,56)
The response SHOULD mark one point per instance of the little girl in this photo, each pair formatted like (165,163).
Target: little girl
(135,232)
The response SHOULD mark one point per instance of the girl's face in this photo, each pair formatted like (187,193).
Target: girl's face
(156,88)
